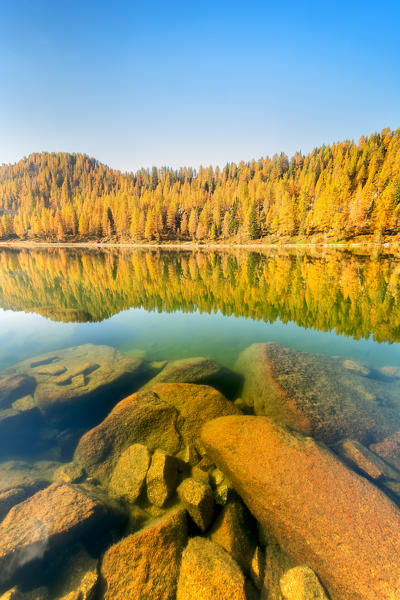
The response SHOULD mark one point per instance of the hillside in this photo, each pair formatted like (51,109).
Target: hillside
(336,192)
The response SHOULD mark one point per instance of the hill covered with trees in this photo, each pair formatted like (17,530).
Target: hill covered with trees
(339,192)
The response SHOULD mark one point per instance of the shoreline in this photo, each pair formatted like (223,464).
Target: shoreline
(175,245)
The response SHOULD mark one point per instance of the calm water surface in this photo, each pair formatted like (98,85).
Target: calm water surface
(164,305)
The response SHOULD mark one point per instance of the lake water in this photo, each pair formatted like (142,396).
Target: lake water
(165,305)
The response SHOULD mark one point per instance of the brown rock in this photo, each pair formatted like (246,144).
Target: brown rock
(301,583)
(145,565)
(208,572)
(389,449)
(79,376)
(161,478)
(320,511)
(69,473)
(277,563)
(52,517)
(196,405)
(198,499)
(317,395)
(13,387)
(18,481)
(40,593)
(200,371)
(130,472)
(141,418)
(370,464)
(233,531)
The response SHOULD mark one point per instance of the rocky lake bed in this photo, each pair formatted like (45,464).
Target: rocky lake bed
(122,478)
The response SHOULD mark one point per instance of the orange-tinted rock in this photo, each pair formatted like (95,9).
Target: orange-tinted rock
(233,530)
(277,563)
(208,572)
(141,418)
(200,371)
(301,583)
(52,517)
(130,472)
(318,395)
(161,478)
(145,565)
(198,499)
(196,405)
(322,513)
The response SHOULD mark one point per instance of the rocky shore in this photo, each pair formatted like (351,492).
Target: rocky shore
(126,479)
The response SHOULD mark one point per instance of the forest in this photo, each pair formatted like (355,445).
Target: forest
(344,191)
(319,291)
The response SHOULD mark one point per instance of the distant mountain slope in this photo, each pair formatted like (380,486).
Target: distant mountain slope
(336,192)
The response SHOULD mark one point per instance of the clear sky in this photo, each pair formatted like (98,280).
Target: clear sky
(189,82)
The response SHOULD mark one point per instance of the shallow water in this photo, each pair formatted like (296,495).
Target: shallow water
(164,305)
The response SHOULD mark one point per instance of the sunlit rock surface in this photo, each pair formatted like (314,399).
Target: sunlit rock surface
(321,512)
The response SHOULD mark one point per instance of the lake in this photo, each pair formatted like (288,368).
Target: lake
(153,306)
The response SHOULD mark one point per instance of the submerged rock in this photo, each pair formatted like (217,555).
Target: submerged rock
(301,583)
(169,417)
(80,377)
(145,564)
(198,370)
(320,511)
(355,454)
(233,530)
(141,418)
(161,478)
(13,387)
(79,578)
(19,480)
(198,499)
(196,405)
(318,395)
(53,517)
(130,473)
(208,572)
(277,562)
(389,449)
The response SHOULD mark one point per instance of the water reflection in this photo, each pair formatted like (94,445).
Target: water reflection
(354,294)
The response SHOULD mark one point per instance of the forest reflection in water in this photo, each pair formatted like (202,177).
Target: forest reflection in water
(354,294)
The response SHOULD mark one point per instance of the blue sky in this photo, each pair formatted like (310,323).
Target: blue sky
(137,84)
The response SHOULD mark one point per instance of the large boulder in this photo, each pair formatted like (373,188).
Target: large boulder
(318,395)
(81,379)
(140,418)
(201,371)
(169,417)
(145,564)
(208,572)
(53,517)
(322,513)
